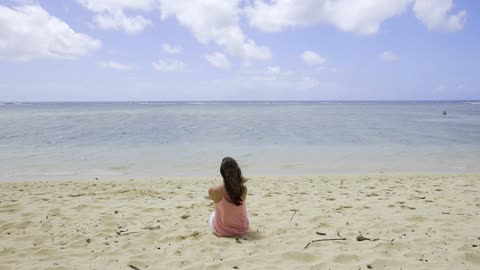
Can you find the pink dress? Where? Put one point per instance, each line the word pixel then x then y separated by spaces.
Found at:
pixel 230 219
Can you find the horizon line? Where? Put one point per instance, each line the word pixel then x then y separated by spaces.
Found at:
pixel 259 100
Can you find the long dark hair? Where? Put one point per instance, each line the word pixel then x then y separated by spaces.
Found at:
pixel 233 180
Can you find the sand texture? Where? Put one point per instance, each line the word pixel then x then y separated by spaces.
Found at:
pixel 404 222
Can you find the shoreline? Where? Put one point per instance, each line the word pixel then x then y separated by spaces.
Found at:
pixel 149 177
pixel 426 221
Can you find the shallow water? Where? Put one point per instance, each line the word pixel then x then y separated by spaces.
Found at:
pixel 74 140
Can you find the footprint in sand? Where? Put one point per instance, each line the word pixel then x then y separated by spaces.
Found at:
pixel 473 258
pixel 346 258
pixel 417 219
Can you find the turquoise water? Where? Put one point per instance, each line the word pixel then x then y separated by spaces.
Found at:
pixel 144 139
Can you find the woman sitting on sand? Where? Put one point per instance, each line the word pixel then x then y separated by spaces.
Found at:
pixel 230 216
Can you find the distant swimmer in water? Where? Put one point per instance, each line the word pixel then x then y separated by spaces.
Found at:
pixel 444 113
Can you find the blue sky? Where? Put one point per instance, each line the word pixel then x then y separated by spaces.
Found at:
pixel 118 50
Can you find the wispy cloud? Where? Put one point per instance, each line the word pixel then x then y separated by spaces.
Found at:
pixel 110 15
pixel 170 65
pixel 312 58
pixel 218 60
pixel 114 65
pixel 170 49
pixel 273 70
pixel 388 56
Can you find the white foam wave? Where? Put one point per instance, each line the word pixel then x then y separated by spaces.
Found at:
pixel 155 103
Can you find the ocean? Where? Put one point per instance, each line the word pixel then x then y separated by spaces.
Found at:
pixel 156 139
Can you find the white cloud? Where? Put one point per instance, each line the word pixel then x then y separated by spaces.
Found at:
pixel 118 21
pixel 435 15
pixel 312 58
pixel 362 17
pixel 388 56
pixel 334 70
pixel 109 5
pixel 167 48
pixel 168 65
pixel 41 35
pixel 114 65
pixel 307 83
pixel 110 13
pixel 217 21
pixel 218 60
pixel 440 88
pixel 24 2
pixel 273 70
pixel 270 73
pixel 273 78
pixel 443 87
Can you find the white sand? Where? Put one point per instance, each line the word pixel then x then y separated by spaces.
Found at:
pixel 420 221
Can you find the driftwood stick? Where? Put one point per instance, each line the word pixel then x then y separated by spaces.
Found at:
pixel 129 233
pixel 121 231
pixel 151 228
pixel 124 232
pixel 455 214
pixel 294 212
pixel 327 239
pixel 133 267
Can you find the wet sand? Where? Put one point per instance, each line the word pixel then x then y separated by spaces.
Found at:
pixel 384 221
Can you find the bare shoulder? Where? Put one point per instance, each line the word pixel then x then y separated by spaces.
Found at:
pixel 215 193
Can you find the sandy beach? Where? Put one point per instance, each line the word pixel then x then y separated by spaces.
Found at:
pixel 383 221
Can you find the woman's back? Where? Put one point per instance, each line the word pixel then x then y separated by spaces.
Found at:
pixel 230 219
